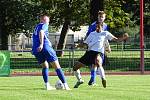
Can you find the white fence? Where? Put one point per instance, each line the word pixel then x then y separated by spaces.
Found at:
pixel 20 42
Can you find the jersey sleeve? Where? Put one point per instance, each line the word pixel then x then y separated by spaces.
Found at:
pixel 91 28
pixel 109 36
pixel 105 27
pixel 44 27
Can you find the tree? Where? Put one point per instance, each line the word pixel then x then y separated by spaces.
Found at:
pixel 95 6
pixel 19 16
pixel 66 24
pixel 69 13
pixel 116 16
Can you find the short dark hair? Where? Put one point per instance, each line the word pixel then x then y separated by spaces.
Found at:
pixel 43 15
pixel 101 13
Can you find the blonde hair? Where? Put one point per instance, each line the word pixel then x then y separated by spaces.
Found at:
pixel 98 27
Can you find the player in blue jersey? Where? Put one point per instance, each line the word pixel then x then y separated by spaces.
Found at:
pixel 45 54
pixel 101 19
pixel 92 27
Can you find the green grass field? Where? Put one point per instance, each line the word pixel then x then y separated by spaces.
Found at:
pixel 128 87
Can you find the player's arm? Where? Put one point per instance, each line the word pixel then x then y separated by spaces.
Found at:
pixel 41 37
pixel 122 38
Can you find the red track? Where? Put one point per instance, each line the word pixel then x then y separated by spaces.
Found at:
pixel 83 73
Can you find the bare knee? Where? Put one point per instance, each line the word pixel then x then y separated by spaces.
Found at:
pixel 77 66
pixel 55 64
pixel 44 64
pixel 99 61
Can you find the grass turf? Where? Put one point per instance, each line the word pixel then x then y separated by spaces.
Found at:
pixel 128 87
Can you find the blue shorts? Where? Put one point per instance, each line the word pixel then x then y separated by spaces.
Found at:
pixel 48 55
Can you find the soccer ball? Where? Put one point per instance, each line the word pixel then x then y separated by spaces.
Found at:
pixel 59 85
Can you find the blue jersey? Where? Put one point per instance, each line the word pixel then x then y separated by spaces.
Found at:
pixel 36 39
pixel 92 28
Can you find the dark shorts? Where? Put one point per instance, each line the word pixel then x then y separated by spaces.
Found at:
pixel 46 55
pixel 89 58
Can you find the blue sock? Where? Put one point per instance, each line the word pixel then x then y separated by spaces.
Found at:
pixel 93 75
pixel 45 74
pixel 61 75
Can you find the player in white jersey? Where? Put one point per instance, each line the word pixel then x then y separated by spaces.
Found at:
pixel 92 27
pixel 94 55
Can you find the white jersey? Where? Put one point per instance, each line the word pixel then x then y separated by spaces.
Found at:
pixel 96 40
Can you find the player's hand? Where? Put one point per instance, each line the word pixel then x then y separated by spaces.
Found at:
pixel 125 36
pixel 39 49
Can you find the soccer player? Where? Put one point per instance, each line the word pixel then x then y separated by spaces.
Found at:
pixel 45 54
pixel 92 27
pixel 101 19
pixel 101 72
pixel 94 55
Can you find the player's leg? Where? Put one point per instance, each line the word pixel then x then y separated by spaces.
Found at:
pixel 77 73
pixel 100 70
pixel 84 60
pixel 45 69
pixel 102 75
pixel 94 59
pixel 45 74
pixel 55 64
pixel 51 57
pixel 93 75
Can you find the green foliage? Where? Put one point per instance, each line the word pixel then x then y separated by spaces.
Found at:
pixel 116 17
pixel 124 16
pixel 18 16
pixel 22 14
pixel 76 11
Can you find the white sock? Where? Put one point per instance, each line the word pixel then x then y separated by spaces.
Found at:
pixel 101 72
pixel 95 68
pixel 78 75
pixel 47 83
pixel 65 85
